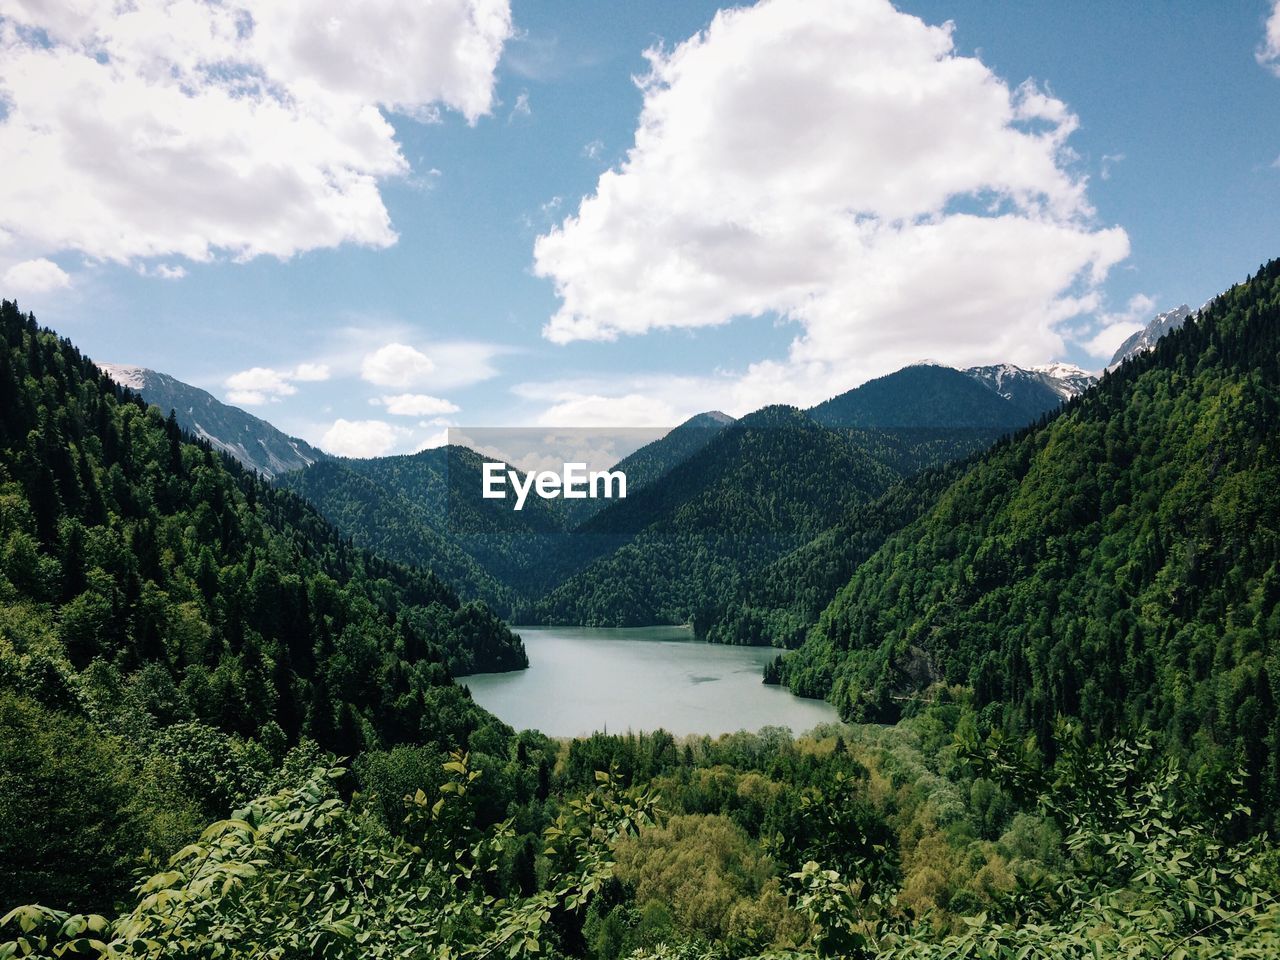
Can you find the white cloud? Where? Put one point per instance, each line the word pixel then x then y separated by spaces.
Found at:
pixel 164 271
pixel 593 150
pixel 1268 53
pixel 396 365
pixel 311 372
pixel 1114 328
pixel 259 385
pixel 521 108
pixel 35 276
pixel 595 410
pixel 185 128
pixel 837 163
pixel 438 439
pixel 418 405
pixel 360 438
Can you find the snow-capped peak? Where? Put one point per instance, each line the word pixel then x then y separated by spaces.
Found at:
pixel 1061 370
pixel 135 378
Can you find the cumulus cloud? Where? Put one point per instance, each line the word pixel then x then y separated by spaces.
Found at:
pixel 438 439
pixel 596 410
pixel 259 385
pixel 837 163
pixel 418 405
pixel 360 438
pixel 311 372
pixel 1268 53
pixel 187 128
pixel 1114 328
pixel 396 365
pixel 35 276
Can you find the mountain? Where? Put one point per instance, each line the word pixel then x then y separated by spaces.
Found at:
pixel 654 459
pixel 389 523
pixel 1034 391
pixel 1119 564
pixel 1146 338
pixel 426 509
pixel 251 440
pixel 1068 379
pixel 170 621
pixel 780 603
pixel 762 486
pixel 924 395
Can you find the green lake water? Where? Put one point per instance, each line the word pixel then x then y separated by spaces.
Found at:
pixel 584 679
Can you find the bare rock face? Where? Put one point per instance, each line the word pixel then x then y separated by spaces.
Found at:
pixel 251 440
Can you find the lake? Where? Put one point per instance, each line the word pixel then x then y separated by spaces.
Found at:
pixel 584 679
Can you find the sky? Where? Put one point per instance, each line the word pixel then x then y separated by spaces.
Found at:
pixel 367 229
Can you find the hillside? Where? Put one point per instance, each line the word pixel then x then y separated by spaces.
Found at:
pixel 168 621
pixel 425 509
pixel 251 440
pixel 1120 564
pixel 1146 338
pixel 779 604
pixel 759 488
pixel 923 395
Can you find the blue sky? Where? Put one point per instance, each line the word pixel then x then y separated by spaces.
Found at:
pixel 1141 168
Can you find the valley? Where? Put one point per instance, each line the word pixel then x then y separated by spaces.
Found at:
pixel 938 594
pixel 581 680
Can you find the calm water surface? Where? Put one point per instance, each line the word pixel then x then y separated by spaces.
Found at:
pixel 584 679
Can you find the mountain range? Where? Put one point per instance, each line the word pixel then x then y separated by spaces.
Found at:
pixel 171 623
pixel 251 440
pixel 1146 338
pixel 754 524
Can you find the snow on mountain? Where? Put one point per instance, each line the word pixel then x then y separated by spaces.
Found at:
pixel 1146 338
pixel 251 440
pixel 1035 390
pixel 135 378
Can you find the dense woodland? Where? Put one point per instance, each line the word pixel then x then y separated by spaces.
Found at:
pixel 225 731
pixel 148 585
pixel 1120 564
pixel 709 506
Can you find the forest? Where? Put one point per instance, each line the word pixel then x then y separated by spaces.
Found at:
pixel 1119 564
pixel 710 505
pixel 227 731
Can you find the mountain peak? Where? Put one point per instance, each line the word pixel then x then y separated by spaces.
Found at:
pixel 1146 338
pixel 251 440
pixel 1061 370
pixel 135 378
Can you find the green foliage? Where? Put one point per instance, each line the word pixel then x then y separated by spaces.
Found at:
pixel 762 486
pixel 1120 564
pixel 176 623
pixel 77 807
pixel 300 873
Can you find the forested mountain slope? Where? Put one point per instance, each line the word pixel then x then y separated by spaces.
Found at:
pixel 763 486
pixel 251 440
pixel 780 603
pixel 147 581
pixel 921 396
pixel 654 459
pixel 425 509
pixel 1120 564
